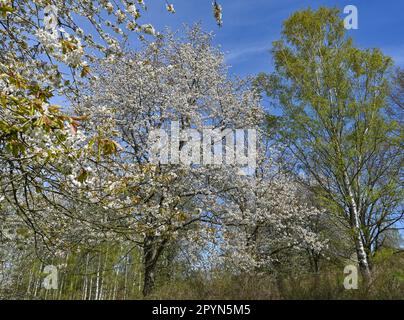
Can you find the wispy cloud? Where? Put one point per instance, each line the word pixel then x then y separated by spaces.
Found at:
pixel 247 51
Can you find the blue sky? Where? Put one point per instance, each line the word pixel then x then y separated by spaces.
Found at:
pixel 250 26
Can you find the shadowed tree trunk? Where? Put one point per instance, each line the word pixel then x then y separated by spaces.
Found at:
pixel 152 249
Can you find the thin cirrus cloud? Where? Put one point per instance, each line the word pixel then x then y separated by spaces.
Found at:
pixel 243 53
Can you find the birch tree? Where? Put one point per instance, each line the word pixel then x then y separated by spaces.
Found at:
pixel 333 99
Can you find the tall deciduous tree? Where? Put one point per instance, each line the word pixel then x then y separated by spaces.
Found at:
pixel 334 97
pixel 182 80
pixel 186 80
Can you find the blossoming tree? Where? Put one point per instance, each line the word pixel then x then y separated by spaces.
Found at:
pixel 183 80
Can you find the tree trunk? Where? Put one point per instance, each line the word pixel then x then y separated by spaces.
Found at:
pixel 359 246
pixel 149 279
pixel 356 225
pixel 85 285
pixel 362 257
pixel 151 252
pixel 97 282
pixel 125 284
pixel 115 284
pixel 149 266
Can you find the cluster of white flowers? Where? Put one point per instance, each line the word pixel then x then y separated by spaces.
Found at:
pixel 55 46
